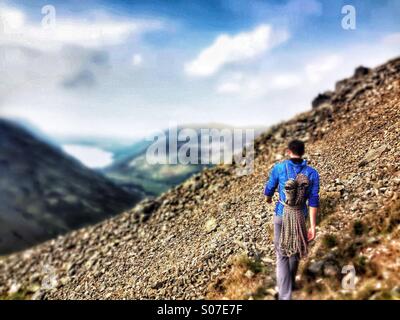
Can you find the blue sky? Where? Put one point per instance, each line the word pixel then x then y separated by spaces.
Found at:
pixel 126 69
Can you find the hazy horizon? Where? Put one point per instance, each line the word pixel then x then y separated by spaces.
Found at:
pixel 126 70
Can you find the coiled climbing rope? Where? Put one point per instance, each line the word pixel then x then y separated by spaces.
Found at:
pixel 293 237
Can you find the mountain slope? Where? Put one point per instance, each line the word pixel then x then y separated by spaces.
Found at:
pixel 211 236
pixel 43 192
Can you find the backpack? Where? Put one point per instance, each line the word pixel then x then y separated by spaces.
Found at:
pixel 293 237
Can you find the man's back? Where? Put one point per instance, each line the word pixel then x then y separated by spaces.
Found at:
pixel 288 169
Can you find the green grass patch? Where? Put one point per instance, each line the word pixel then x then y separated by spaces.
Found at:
pixel 254 265
pixel 329 241
pixel 19 295
pixel 358 228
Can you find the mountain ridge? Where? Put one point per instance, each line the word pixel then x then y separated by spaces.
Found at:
pixel 189 242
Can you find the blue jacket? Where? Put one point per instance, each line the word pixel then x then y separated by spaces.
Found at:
pixel 279 176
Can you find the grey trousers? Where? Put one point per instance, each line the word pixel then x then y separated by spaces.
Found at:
pixel 286 267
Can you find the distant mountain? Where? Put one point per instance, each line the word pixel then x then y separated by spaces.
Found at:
pixel 44 192
pixel 130 165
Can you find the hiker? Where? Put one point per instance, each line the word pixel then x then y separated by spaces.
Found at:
pixel 297 182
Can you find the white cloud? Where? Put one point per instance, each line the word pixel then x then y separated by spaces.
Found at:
pixel 11 19
pixel 229 87
pixel 254 86
pixel 122 103
pixel 286 81
pixel 316 70
pixel 137 59
pixel 95 34
pixel 229 49
pixel 74 75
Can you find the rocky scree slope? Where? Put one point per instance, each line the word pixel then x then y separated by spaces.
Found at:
pixel 184 243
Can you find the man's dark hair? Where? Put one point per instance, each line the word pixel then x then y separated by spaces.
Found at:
pixel 297 147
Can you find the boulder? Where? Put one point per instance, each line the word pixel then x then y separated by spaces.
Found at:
pixel 321 99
